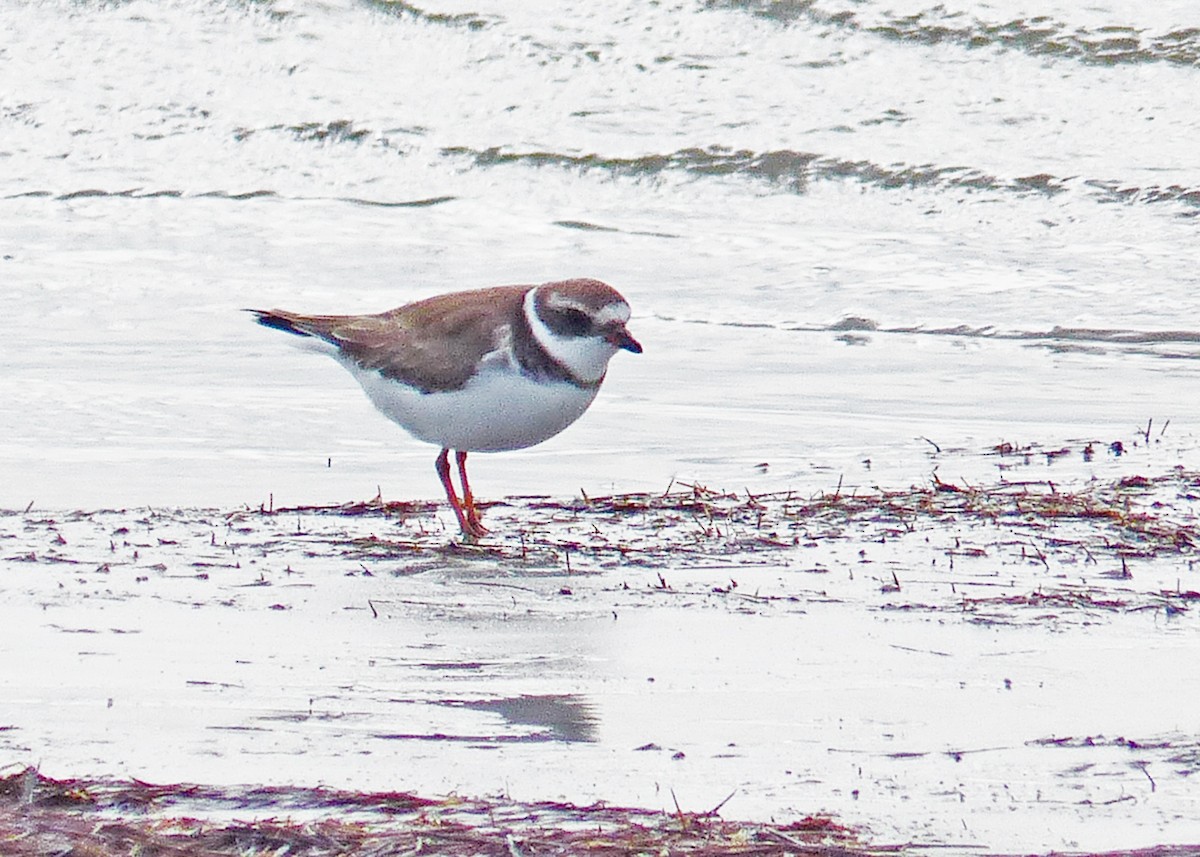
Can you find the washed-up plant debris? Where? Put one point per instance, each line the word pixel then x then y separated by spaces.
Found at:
pixel 106 818
pixel 1009 551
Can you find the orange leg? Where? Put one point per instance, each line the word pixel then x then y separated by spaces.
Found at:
pixel 468 498
pixel 468 518
pixel 477 527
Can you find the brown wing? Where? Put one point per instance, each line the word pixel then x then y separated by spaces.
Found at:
pixel 433 344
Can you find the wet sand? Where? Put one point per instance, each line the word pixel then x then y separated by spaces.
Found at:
pixel 999 667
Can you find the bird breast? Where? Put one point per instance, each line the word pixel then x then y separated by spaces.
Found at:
pixel 495 411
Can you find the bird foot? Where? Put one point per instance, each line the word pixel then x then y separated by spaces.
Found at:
pixel 472 528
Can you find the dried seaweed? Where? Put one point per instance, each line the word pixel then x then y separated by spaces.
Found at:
pixel 105 818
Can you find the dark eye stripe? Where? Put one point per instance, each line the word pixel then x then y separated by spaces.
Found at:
pixel 570 322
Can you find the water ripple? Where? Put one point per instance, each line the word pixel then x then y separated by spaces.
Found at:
pixel 401 9
pixel 1037 35
pixel 794 171
pixel 858 329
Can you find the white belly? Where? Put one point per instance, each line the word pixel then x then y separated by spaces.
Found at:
pixel 498 410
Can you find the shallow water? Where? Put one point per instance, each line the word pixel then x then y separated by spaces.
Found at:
pixel 864 244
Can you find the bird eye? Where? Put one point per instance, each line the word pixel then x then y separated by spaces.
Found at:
pixel 575 322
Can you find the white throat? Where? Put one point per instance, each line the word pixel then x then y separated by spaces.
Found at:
pixel 585 357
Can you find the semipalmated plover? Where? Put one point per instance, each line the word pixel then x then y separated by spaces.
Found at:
pixel 478 371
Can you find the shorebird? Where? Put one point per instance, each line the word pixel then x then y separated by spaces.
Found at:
pixel 486 370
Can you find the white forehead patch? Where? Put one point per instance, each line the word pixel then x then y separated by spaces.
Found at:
pixel 609 313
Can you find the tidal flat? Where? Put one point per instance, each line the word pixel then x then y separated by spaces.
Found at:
pixel 994 667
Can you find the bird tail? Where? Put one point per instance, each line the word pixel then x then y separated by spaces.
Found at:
pixel 280 320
